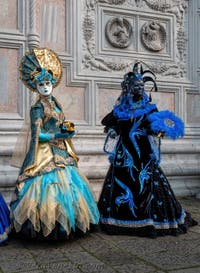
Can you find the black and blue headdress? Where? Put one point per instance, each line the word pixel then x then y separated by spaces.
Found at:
pixel 133 96
pixel 135 80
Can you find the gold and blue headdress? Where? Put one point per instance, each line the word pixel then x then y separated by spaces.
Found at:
pixel 40 64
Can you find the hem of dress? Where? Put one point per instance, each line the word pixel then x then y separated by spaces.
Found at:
pixel 28 232
pixel 145 222
pixel 4 236
pixel 148 230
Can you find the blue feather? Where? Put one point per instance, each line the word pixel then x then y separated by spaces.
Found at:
pixel 125 198
pixel 144 176
pixel 135 132
pixel 167 122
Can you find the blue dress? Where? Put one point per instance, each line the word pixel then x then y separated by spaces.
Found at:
pixel 137 198
pixel 52 198
pixel 4 220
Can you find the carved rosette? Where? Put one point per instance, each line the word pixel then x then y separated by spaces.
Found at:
pixel 153 36
pixel 118 32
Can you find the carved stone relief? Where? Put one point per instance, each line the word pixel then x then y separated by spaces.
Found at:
pixel 113 2
pixel 153 36
pixel 181 43
pixel 118 32
pixel 178 8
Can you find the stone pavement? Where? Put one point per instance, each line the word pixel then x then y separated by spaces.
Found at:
pixel 101 253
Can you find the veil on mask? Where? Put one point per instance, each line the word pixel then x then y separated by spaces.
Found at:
pixel 23 140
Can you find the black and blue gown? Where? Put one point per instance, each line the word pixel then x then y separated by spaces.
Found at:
pixel 136 197
pixel 4 221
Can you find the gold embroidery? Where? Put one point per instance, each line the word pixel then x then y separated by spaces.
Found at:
pixel 49 110
pixel 43 157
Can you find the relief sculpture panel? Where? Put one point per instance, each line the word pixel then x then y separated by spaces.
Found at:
pixel 116 32
pixel 153 36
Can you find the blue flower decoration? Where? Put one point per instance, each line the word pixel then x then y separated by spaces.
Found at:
pixel 167 122
pixel 43 75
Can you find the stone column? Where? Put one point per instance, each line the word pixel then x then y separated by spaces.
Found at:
pixel 33 36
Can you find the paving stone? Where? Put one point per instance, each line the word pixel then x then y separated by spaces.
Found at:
pixel 18 265
pixel 188 270
pixel 13 254
pixel 102 253
pixel 115 257
pixel 65 245
pixel 144 246
pixel 82 258
pixel 185 248
pixel 136 268
pixel 70 246
pixel 94 246
pixel 196 228
pixel 96 268
pixel 112 238
pixel 48 255
pixel 61 267
pixel 86 262
pixel 167 261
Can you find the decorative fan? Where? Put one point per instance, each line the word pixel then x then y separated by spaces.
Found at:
pixel 167 122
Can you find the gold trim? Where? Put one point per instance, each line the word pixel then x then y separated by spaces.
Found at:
pixel 70 149
pixel 48 59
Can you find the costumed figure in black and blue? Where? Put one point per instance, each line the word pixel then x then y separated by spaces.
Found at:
pixel 52 199
pixel 4 221
pixel 136 197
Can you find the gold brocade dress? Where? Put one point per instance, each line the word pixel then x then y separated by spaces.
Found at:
pixel 52 198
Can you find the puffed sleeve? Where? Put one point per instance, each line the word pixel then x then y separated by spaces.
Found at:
pixel 110 122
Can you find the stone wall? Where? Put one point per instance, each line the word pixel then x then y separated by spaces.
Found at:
pixel 98 41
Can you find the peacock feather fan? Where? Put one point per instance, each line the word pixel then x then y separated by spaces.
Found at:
pixel 167 122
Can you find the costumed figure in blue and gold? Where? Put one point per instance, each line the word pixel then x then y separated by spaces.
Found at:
pixel 136 198
pixel 4 221
pixel 52 199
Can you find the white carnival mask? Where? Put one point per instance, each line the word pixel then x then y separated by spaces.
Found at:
pixel 45 88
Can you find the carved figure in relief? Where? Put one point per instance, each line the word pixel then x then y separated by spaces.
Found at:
pixel 52 198
pixel 153 36
pixel 119 32
pixel 176 7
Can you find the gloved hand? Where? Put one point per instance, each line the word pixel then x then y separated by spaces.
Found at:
pixel 64 135
pixel 161 134
pixel 67 126
pixel 112 133
pixel 46 137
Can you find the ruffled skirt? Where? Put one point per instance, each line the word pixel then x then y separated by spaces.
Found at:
pixel 54 205
pixel 4 220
